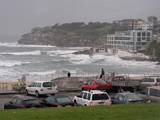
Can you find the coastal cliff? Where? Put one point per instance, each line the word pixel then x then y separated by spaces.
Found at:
pixel 68 34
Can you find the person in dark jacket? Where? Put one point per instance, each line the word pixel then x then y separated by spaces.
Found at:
pixel 102 73
pixel 69 74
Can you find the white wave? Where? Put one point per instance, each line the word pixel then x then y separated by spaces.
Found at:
pixel 77 48
pixel 108 60
pixel 7 44
pixel 38 46
pixel 37 52
pixel 43 73
pixel 72 71
pixel 115 60
pixel 7 63
pixel 15 44
pixel 83 59
pixel 61 52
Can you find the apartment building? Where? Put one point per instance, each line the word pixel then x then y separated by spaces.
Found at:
pixel 130 24
pixel 131 40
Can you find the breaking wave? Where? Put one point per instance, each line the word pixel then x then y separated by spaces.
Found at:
pixel 15 44
pixel 8 63
pixel 107 60
pixel 43 72
pixel 37 52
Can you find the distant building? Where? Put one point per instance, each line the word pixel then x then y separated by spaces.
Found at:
pixel 156 24
pixel 131 40
pixel 103 50
pixel 156 37
pixel 152 19
pixel 147 26
pixel 130 24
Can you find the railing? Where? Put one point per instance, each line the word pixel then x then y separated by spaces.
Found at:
pixel 8 86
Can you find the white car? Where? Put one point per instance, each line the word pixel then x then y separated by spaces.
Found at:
pixel 93 97
pixel 151 81
pixel 38 88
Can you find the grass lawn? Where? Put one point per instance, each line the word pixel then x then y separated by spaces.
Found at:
pixel 114 112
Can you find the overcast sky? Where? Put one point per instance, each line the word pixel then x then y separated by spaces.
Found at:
pixel 20 16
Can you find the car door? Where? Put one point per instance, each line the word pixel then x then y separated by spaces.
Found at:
pixel 30 88
pixel 85 99
pixel 93 85
pixel 79 98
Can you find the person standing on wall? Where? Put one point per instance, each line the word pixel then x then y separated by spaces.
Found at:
pixel 102 73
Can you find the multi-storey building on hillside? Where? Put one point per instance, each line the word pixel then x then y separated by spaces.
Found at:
pixel 131 40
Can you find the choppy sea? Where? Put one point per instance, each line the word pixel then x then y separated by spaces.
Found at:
pixel 42 61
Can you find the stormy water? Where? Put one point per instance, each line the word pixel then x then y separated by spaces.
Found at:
pixel 42 61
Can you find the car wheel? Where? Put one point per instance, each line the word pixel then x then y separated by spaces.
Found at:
pixel 37 94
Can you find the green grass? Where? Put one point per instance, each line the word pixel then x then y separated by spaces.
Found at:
pixel 114 112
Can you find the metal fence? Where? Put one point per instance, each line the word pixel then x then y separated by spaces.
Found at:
pixel 8 86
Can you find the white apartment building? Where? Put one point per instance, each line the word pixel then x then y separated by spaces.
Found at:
pixel 132 40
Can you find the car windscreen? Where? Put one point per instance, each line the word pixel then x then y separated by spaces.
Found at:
pixel 100 97
pixel 63 100
pixel 148 80
pixel 100 82
pixel 31 101
pixel 47 84
pixel 51 100
pixel 158 79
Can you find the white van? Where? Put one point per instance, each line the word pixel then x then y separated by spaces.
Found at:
pixel 38 88
pixel 91 98
pixel 150 81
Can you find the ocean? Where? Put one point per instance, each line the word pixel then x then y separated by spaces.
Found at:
pixel 39 62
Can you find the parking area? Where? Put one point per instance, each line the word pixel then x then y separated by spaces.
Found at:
pixel 6 98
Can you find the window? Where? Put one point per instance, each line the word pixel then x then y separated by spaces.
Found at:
pixel 138 34
pixel 18 101
pixel 143 33
pixel 143 38
pixel 47 84
pixel 154 92
pixel 138 39
pixel 14 100
pixel 100 82
pixel 100 97
pixel 63 100
pixel 148 38
pixel 148 80
pixel 85 96
pixel 148 33
pixel 31 101
pixel 51 100
pixel 158 79
pixel 89 96
pixel 121 98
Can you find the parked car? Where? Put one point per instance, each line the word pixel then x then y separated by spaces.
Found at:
pixel 38 88
pixel 91 98
pixel 150 81
pixel 96 85
pixel 126 97
pixel 58 100
pixel 23 102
